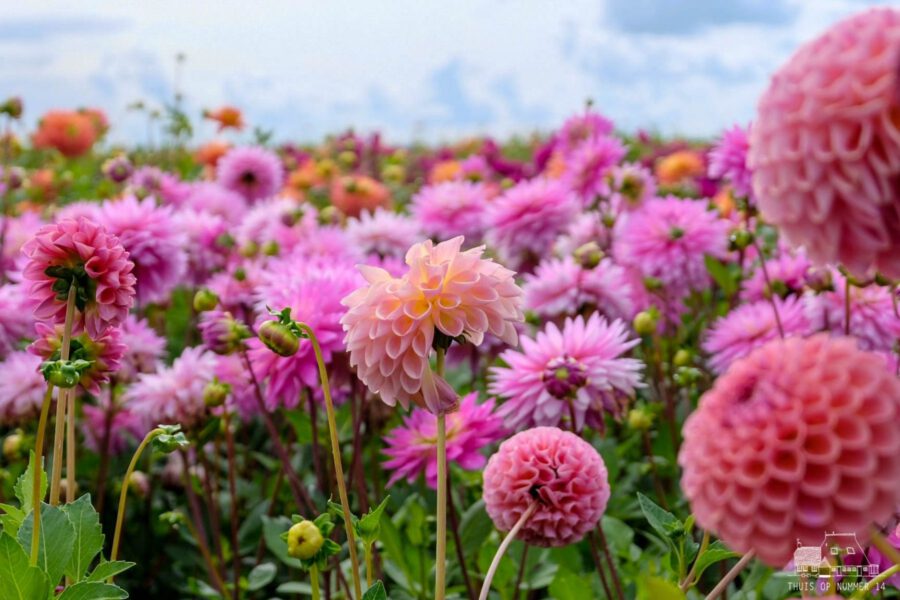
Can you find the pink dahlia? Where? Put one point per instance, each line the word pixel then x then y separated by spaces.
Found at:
pixel 556 469
pixel 391 323
pixel 728 160
pixel 578 372
pixel 631 185
pixel 144 348
pixel 209 197
pixel 104 352
pixel 173 394
pixel 22 388
pixel 800 438
pixel 383 232
pixel 825 146
pixel 118 427
pixel 787 272
pixel 207 244
pixel 19 230
pixel 582 128
pixel 413 445
pixel 668 239
pixel 279 220
pixel 230 369
pixel 88 255
pixel 526 219
pixel 589 166
pixel 153 241
pixel 15 321
pixel 151 181
pixel 750 326
pixel 253 172
pixel 586 228
pixel 453 208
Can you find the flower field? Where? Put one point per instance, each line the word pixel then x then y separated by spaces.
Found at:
pixel 587 364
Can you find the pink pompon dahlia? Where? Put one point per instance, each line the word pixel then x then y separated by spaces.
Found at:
pixel 668 239
pixel 383 232
pixel 556 469
pixel 153 241
pixel 253 172
pixel 825 146
pixel 22 388
pixel 413 445
pixel 391 323
pixel 452 208
pixel 144 348
pixel 728 160
pixel 800 438
pixel 104 352
pixel 15 320
pixel 582 128
pixel 750 326
pixel 578 372
pixel 86 254
pixel 589 166
pixel 526 219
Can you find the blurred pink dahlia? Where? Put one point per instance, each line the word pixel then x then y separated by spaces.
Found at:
pixel 118 427
pixel 15 320
pixel 825 146
pixel 383 232
pixel 559 471
pixel 800 438
pixel 253 172
pixel 86 253
pixel 787 272
pixel 728 160
pixel 230 369
pixel 144 348
pixel 19 230
pixel 589 166
pixel 632 184
pixel 413 445
pixel 22 388
pixel 451 209
pixel 582 128
pixel 207 244
pixel 210 197
pixel 578 372
pixel 166 187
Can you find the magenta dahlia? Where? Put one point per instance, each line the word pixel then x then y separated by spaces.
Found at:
pixel 588 167
pixel 451 209
pixel 580 129
pixel 22 388
pixel 253 172
pixel 728 160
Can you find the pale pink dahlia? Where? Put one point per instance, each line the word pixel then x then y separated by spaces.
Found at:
pixel 800 438
pixel 86 253
pixel 383 232
pixel 209 197
pixel 22 388
pixel 391 323
pixel 668 239
pixel 253 172
pixel 582 128
pixel 750 326
pixel 526 219
pixel 728 160
pixel 15 320
pixel 453 208
pixel 589 166
pixel 207 244
pixel 104 352
pixel 413 445
pixel 559 471
pixel 578 372
pixel 144 348
pixel 825 146
pixel 153 241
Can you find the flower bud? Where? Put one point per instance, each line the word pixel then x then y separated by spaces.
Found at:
pixel 271 248
pixel 13 177
pixel 250 249
pixel 304 540
pixel 205 300
pixel 589 255
pixel 12 444
pixel 682 358
pixel 393 173
pixel 645 323
pixel 686 376
pixel 279 338
pixel 640 419
pixel 12 107
pixel 347 158
pixel 740 239
pixel 215 393
pixel 118 168
pixel 139 484
pixel 221 332
pixel 63 373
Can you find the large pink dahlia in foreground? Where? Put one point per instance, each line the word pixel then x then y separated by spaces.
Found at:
pixel 825 146
pixel 559 471
pixel 253 172
pixel 578 372
pixel 800 438
pixel 413 445
pixel 84 253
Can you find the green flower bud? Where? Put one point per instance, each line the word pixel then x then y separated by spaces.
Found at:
pixel 205 300
pixel 64 373
pixel 347 158
pixel 279 338
pixel 740 239
pixel 644 323
pixel 271 248
pixel 304 540
pixel 685 376
pixel 589 255
pixel 682 358
pixel 640 419
pixel 250 249
pixel 12 444
pixel 215 393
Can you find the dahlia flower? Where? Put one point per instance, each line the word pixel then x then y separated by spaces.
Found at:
pixel 631 185
pixel 556 469
pixel 579 371
pixel 825 146
pixel 206 242
pixel 787 272
pixel 22 388
pixel 383 232
pixel 278 220
pixel 150 235
pixel 586 228
pixel 799 438
pixel 144 348
pixel 728 160
pixel 251 171
pixel 580 129
pixel 413 445
pixel 451 209
pixel 164 186
pixel 124 428
pixel 220 332
pixel 353 194
pixel 230 369
pixel 104 352
pixel 72 133
pixel 19 230
pixel 15 322
pixel 83 252
pixel 210 197
pixel 588 167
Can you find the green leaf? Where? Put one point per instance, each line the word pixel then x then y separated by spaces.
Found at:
pixel 261 576
pixel 721 275
pixel 55 542
pixel 88 536
pixel 369 525
pixel 654 588
pixel 11 519
pixel 716 552
pixel 108 569
pixel 664 522
pixel 475 528
pixel 24 487
pixel 569 586
pixel 272 530
pixel 376 592
pixel 18 580
pixel 93 590
pixel 295 587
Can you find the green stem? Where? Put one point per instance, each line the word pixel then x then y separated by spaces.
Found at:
pixel 730 576
pixel 39 473
pixel 336 452
pixel 62 399
pixel 688 581
pixel 876 581
pixel 370 570
pixel 314 581
pixel 440 558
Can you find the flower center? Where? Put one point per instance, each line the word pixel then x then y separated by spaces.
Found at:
pixel 563 377
pixel 248 178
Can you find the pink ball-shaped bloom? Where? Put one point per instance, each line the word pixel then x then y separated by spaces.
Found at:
pixel 825 146
pixel 668 239
pixel 253 172
pixel 526 219
pixel 580 370
pixel 728 160
pixel 452 208
pixel 153 241
pixel 800 438
pixel 15 320
pixel 383 233
pixel 144 348
pixel 580 129
pixel 209 197
pixel 750 326
pixel 413 445
pixel 97 261
pixel 556 469
pixel 391 323
pixel 588 168
pixel 22 388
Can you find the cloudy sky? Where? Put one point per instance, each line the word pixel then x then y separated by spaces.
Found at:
pixel 417 69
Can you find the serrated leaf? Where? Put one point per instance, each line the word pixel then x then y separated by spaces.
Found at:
pixel 56 541
pixel 11 519
pixel 93 590
pixel 19 580
pixel 716 552
pixel 661 520
pixel 88 536
pixel 24 488
pixel 376 592
pixel 108 569
pixel 261 576
pixel 369 525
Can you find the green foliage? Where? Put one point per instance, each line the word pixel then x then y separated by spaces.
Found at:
pixel 56 541
pixel 24 488
pixel 18 580
pixel 88 536
pixel 376 592
pixel 93 590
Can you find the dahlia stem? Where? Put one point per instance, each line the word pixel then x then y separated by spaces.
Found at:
pixel 875 582
pixel 771 292
pixel 595 556
pixel 457 542
pixel 440 559
pixel 70 447
pixel 62 398
pixel 38 474
pixel 613 572
pixel 336 452
pixel 885 547
pixel 486 586
pixel 847 306
pixel 123 495
pixel 314 581
pixel 232 489
pixel 730 576
pixel 688 580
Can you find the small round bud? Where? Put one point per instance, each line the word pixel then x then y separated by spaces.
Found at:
pixel 682 358
pixel 240 274
pixel 139 484
pixel 644 323
pixel 279 338
pixel 271 248
pixel 676 233
pixel 819 279
pixel 652 284
pixel 393 173
pixel 740 239
pixel 250 249
pixel 12 445
pixel 215 393
pixel 609 220
pixel 61 373
pixel 12 107
pixel 13 177
pixel 330 215
pixel 640 419
pixel 686 376
pixel 118 168
pixel 589 255
pixel 205 300
pixel 347 158
pixel 304 540
pixel 326 168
